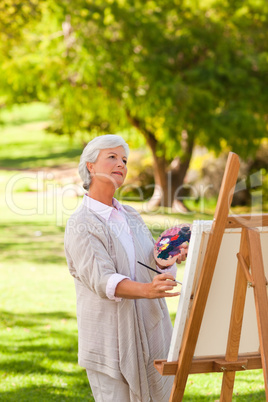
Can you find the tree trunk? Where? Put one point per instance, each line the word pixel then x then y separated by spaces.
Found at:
pixel 169 190
pixel 179 192
pixel 169 183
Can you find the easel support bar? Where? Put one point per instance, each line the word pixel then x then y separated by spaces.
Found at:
pixel 244 266
pixel 223 365
pixel 212 364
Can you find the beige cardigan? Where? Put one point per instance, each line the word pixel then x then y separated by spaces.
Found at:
pixel 121 339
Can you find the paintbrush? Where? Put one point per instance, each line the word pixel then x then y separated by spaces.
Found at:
pixel 152 269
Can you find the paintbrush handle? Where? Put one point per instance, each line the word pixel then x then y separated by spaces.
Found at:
pixel 157 272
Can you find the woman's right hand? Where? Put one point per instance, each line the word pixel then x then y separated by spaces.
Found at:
pixel 162 286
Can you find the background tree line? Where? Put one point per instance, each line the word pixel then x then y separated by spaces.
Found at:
pixel 177 73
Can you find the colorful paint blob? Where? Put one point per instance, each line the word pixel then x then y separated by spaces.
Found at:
pixel 168 245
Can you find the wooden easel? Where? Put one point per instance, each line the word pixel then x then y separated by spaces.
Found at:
pixel 250 272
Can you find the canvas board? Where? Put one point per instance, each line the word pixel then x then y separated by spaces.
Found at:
pixel 213 335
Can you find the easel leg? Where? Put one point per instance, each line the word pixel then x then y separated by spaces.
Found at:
pixel 236 321
pixel 261 300
pixel 193 327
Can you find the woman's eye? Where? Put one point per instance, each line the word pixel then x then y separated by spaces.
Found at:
pixel 125 161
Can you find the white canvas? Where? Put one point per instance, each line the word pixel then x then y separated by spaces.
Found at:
pixel 213 334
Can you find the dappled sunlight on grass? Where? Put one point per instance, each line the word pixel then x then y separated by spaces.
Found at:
pixel 25 143
pixel 36 243
pixel 248 386
pixel 38 337
pixel 38 329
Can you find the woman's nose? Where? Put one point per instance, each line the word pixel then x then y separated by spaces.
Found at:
pixel 120 163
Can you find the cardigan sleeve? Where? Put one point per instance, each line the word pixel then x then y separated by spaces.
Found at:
pixel 86 250
pixel 112 284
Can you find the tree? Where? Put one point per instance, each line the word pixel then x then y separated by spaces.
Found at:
pixel 183 73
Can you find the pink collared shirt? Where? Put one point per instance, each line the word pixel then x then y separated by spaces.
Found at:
pixel 116 220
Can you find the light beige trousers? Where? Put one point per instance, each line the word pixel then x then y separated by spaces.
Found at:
pixel 107 389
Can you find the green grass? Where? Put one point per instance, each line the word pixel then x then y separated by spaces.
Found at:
pixel 26 144
pixel 38 335
pixel 38 331
pixel 17 115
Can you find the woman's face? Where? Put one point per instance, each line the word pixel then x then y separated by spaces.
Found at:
pixel 110 167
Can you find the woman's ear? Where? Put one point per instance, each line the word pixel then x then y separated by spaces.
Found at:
pixel 89 167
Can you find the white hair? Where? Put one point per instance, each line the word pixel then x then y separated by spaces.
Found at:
pixel 92 150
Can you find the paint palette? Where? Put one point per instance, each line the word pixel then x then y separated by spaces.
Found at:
pixel 168 245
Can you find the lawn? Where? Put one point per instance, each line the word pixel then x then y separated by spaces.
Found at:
pixel 38 333
pixel 25 142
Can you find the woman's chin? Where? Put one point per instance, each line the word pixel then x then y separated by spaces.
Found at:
pixel 118 180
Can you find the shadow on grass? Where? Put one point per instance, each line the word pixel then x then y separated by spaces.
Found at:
pixel 34 242
pixel 256 396
pixel 47 335
pixel 26 227
pixel 82 393
pixel 45 393
pixel 29 161
pixel 39 358
pixel 41 364
pixel 9 319
pixel 198 398
pixel 45 253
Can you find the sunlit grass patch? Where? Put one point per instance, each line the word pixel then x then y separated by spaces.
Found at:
pixel 38 330
pixel 38 336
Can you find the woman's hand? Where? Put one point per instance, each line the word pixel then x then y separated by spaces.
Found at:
pixel 184 251
pixel 161 286
pixel 181 257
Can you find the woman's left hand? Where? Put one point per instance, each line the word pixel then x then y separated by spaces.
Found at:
pixel 184 251
pixel 181 257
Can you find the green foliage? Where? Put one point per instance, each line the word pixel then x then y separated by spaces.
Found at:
pixel 166 67
pixel 175 66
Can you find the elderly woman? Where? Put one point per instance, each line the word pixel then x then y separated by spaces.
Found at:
pixel 123 321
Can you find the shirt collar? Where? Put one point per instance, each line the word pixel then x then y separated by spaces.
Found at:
pixel 102 209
